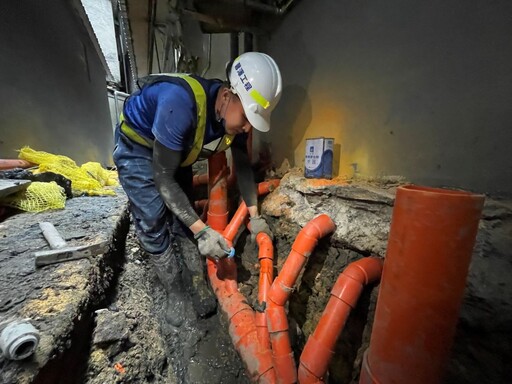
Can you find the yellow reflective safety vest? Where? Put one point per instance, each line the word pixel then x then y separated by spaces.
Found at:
pixel 201 107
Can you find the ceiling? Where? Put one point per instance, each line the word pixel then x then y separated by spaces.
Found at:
pixel 224 16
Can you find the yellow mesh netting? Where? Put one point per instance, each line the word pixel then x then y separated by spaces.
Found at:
pixel 91 178
pixel 38 197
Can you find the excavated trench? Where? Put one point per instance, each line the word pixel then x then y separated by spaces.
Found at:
pixel 71 363
pixel 119 333
pixel 125 338
pixel 134 336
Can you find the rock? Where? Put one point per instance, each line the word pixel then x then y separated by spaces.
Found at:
pixel 110 327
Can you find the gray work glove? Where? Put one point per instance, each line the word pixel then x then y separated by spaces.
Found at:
pixel 211 243
pixel 259 224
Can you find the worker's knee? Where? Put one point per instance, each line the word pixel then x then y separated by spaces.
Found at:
pixel 153 234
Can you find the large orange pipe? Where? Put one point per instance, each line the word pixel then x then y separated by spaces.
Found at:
pixel 280 291
pixel 266 258
pixel 319 349
pixel 430 244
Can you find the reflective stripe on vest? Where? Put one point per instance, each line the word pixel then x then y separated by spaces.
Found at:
pixel 132 134
pixel 200 97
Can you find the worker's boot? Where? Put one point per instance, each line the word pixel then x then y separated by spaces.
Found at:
pixel 203 298
pixel 168 270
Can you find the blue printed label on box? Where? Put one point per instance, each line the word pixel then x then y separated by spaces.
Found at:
pixel 319 157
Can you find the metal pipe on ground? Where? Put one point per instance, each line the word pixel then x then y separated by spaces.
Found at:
pixel 430 245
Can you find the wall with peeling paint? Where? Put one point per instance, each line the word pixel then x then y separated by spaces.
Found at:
pixel 419 89
pixel 53 95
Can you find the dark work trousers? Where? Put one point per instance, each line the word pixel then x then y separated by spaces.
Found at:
pixel 151 216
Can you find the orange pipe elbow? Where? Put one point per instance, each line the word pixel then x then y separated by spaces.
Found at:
pixel 301 250
pixel 280 291
pixel 319 349
pixel 430 245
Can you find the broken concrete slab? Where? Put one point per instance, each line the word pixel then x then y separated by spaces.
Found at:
pixel 57 298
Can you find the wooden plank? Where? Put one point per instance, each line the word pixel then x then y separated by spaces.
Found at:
pixel 11 186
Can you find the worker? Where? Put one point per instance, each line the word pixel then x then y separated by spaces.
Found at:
pixel 173 121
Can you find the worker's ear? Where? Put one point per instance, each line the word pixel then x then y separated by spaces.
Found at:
pixel 226 94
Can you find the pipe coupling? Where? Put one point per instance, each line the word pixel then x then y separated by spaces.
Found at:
pixel 19 340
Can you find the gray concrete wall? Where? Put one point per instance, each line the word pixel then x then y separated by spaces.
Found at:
pixel 53 94
pixel 421 89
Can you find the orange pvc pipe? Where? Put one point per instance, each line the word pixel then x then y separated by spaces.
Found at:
pixel 319 349
pixel 236 221
pixel 301 250
pixel 267 186
pixel 280 291
pixel 218 192
pixel 430 245
pixel 222 276
pixel 266 258
pixel 241 213
pixel 201 179
pixel 200 204
pixel 14 163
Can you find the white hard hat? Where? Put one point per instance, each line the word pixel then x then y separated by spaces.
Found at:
pixel 256 79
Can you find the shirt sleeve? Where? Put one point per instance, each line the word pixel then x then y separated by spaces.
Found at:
pixel 244 175
pixel 174 121
pixel 165 165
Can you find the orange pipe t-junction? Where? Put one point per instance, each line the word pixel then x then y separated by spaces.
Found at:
pixel 280 292
pixel 319 349
pixel 430 245
pixel 223 278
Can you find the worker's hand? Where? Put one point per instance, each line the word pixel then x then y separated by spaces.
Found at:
pixel 259 224
pixel 211 244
